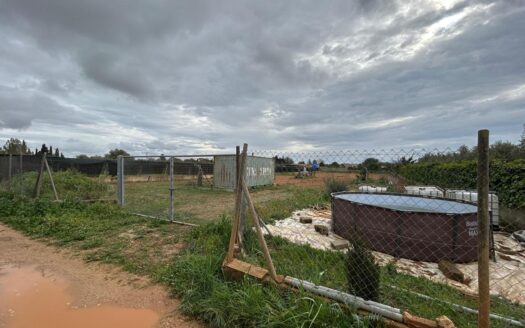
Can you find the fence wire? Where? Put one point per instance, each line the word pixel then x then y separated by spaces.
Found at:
pixel 168 188
pixel 394 226
pixel 395 231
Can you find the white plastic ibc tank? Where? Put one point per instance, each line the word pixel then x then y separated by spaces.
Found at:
pixel 424 191
pixel 372 189
pixel 472 196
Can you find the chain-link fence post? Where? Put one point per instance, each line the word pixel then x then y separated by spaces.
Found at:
pixel 483 227
pixel 120 180
pixel 20 172
pixel 171 190
pixel 10 174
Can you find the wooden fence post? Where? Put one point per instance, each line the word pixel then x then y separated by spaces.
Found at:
pixel 234 237
pixel 40 177
pixel 51 178
pixel 483 229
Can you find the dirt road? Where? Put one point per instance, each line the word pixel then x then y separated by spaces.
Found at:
pixel 87 287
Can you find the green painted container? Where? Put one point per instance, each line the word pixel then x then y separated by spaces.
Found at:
pixel 260 171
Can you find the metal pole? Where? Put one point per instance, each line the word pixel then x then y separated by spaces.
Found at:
pixel 120 180
pixel 10 176
pixel 20 172
pixel 484 229
pixel 171 190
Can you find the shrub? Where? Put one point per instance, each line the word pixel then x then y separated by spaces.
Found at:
pixel 335 185
pixel 507 179
pixel 362 272
pixel 70 184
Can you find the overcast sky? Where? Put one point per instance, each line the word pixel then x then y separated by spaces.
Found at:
pixel 164 76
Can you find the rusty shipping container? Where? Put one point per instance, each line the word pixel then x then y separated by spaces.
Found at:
pixel 260 171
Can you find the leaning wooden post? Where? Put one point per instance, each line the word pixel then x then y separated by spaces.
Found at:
pixel 234 236
pixel 39 178
pixel 51 178
pixel 258 230
pixel 483 229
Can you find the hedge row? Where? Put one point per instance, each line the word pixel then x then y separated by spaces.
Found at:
pixel 507 179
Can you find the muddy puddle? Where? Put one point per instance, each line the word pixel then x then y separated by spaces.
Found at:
pixel 30 297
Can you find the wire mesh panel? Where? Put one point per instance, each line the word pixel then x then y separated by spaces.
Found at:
pixel 396 227
pixel 169 188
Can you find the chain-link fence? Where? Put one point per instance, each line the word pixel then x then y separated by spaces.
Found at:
pixel 398 227
pixel 174 188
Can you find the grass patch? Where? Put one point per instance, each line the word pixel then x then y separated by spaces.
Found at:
pixel 189 261
pixel 70 184
pixel 196 277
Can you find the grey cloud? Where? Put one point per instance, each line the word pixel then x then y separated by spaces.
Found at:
pixel 161 75
pixel 19 110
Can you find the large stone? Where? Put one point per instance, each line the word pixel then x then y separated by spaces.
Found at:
pixel 305 219
pixel 322 229
pixel 451 271
pixel 340 244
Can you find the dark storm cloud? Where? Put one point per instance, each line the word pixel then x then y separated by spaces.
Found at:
pixel 165 76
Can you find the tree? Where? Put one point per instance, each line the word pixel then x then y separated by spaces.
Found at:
pixel 283 160
pixel 57 153
pixel 162 157
pixel 51 150
pixel 371 164
pixel 82 156
pixel 504 150
pixel 114 153
pixel 15 147
pixel 44 149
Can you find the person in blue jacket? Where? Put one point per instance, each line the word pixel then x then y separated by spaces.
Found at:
pixel 314 167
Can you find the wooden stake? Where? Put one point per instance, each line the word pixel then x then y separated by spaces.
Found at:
pixel 484 229
pixel 234 237
pixel 38 185
pixel 260 234
pixel 51 178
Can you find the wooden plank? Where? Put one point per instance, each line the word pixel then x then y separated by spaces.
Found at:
pixel 234 236
pixel 258 230
pixel 417 322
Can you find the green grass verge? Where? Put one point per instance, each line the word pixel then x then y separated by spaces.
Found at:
pixel 189 261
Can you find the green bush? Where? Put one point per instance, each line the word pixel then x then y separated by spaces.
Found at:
pixel 507 179
pixel 362 272
pixel 70 184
